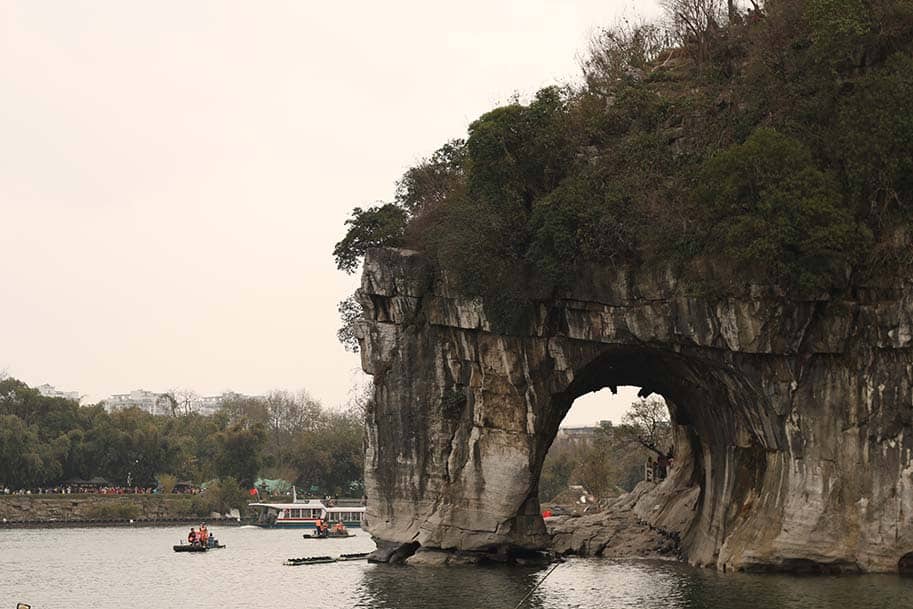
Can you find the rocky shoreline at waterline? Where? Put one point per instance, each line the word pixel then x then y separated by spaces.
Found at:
pixel 56 511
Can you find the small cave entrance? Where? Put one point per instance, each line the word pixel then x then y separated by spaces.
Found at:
pixel 905 565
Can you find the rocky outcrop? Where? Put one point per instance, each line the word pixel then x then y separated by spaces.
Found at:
pixel 793 417
pixel 614 532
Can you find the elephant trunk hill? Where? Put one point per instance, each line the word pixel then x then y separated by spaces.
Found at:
pixel 792 417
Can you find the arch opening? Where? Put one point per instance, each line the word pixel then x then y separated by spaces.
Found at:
pixel 607 443
pixel 717 438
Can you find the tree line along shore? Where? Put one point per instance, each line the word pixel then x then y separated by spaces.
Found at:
pixel 48 442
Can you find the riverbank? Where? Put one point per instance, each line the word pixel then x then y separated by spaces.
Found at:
pixel 27 511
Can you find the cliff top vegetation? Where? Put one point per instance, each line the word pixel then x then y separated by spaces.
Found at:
pixel 770 139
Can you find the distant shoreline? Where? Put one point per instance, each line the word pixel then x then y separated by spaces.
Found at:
pixel 139 523
pixel 91 510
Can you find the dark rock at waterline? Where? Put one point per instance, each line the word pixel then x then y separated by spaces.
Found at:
pixel 792 417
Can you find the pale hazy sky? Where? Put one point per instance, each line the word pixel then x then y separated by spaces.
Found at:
pixel 174 174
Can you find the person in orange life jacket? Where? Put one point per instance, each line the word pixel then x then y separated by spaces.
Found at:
pixel 192 538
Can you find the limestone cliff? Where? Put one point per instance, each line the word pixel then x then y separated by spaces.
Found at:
pixel 793 417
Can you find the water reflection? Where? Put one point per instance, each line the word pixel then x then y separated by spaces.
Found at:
pixel 598 584
pixel 394 587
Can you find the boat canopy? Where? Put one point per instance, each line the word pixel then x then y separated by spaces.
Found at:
pixel 310 504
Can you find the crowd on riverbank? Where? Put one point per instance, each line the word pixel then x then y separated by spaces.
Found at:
pixel 94 490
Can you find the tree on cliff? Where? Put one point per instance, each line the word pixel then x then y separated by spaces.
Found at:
pixel 771 139
pixel 381 225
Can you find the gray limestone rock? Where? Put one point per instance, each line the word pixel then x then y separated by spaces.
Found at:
pixel 794 418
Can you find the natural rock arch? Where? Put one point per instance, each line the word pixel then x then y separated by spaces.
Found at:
pixel 792 418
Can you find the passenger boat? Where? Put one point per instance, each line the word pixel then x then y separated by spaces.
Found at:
pixel 305 514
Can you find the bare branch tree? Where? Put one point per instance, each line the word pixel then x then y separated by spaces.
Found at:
pixel 696 22
pixel 181 401
pixel 621 51
pixel 648 424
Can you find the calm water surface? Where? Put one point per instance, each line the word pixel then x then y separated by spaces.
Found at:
pixel 136 569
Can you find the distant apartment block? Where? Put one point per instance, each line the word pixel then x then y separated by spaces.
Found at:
pixel 49 391
pixel 153 403
pixel 160 403
pixel 581 435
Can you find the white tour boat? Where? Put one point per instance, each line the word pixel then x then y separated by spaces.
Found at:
pixel 304 514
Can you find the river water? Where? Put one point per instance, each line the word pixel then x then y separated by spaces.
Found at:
pixel 136 569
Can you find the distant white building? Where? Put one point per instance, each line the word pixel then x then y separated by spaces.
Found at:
pixel 210 404
pixel 49 391
pixel 207 404
pixel 160 403
pixel 582 435
pixel 151 402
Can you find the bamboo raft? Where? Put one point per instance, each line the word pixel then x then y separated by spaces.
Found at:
pixel 322 560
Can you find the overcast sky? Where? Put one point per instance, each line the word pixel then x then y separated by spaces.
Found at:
pixel 174 174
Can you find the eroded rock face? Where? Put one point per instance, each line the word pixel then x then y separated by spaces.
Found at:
pixel 793 418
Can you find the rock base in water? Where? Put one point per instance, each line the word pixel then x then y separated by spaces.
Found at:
pixel 415 556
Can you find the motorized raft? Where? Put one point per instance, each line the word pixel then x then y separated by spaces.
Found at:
pixel 212 544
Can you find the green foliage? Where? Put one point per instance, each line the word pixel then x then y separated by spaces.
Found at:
pixel 310 445
pixel 378 226
pixel 612 459
pixel 220 496
pixel 238 451
pixel 518 153
pixel 20 452
pixel 579 220
pixel 556 471
pixel 434 180
pixel 350 311
pixel 48 441
pixel 167 482
pixel 774 141
pixel 772 210
pixel 874 134
pixel 833 19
